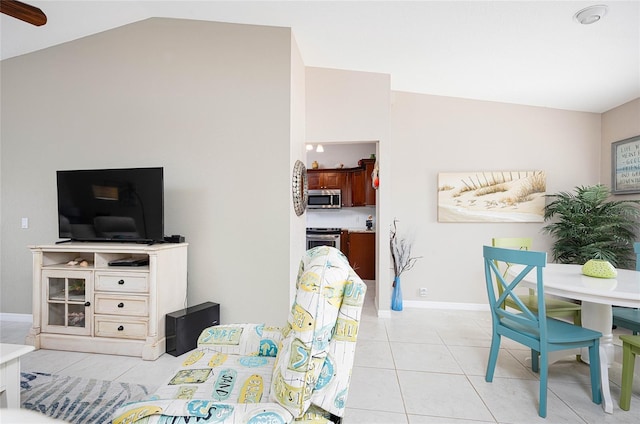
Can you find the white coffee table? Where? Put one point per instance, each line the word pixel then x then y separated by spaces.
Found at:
pixel 10 373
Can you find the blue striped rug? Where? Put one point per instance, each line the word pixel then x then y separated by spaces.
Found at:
pixel 74 399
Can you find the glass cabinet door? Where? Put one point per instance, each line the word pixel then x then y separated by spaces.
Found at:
pixel 67 302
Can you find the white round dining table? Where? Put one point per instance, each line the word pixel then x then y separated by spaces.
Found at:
pixel 597 295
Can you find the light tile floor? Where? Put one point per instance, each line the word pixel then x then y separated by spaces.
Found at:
pixel 419 366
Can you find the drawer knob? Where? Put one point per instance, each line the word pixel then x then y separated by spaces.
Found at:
pixel 121 328
pixel 120 305
pixel 121 282
pixel 87 303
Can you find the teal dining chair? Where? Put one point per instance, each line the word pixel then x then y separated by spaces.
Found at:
pixel 630 348
pixel 542 334
pixel 629 317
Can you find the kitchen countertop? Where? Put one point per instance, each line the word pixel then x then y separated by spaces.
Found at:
pixel 360 230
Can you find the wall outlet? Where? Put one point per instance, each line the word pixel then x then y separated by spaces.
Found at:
pixel 24 223
pixel 423 291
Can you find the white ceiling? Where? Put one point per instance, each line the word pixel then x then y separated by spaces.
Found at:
pixel 524 52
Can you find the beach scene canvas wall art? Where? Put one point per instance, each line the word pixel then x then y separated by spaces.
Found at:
pixel 491 196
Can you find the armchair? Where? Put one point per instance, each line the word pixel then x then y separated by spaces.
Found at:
pixel 251 373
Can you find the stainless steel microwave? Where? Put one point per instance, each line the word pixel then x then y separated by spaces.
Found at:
pixel 324 199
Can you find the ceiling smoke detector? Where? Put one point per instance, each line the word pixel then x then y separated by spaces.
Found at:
pixel 591 14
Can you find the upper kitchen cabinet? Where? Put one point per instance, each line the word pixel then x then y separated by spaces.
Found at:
pixel 319 179
pixel 358 196
pixel 370 192
pixel 362 191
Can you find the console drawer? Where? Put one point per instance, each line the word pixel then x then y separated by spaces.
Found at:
pixel 132 328
pixel 122 305
pixel 122 282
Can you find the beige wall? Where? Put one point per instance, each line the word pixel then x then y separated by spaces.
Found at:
pixel 210 102
pixel 432 134
pixel 298 224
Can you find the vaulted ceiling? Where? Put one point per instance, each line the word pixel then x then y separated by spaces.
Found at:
pixel 524 52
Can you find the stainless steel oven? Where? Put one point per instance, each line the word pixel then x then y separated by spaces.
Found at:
pixel 323 237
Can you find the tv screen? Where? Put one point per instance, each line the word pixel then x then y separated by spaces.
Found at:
pixel 111 204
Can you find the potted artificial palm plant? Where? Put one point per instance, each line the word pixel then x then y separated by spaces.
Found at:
pixel 587 225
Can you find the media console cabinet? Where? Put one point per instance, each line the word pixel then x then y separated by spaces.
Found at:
pixel 81 303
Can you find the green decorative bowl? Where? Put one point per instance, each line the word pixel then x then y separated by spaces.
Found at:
pixel 599 268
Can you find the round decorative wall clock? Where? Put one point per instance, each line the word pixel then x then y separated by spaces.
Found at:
pixel 299 187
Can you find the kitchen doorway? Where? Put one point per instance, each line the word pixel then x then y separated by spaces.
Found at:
pixel 347 166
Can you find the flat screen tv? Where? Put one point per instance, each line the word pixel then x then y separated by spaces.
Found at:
pixel 124 205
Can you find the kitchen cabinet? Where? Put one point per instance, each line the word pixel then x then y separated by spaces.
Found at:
pixel 361 248
pixel 369 191
pixel 81 303
pixel 346 190
pixel 344 242
pixel 358 196
pixel 319 179
pixel 362 192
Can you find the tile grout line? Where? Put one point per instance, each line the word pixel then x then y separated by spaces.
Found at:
pixel 395 369
pixel 466 376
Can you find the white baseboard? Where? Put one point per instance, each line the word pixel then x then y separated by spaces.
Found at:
pixel 419 304
pixel 5 316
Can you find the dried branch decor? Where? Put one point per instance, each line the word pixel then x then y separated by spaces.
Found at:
pixel 401 252
pixel 402 261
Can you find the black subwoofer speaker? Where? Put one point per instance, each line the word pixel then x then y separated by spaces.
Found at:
pixel 183 327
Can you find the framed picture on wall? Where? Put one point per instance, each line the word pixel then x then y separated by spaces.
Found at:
pixel 625 166
pixel 491 196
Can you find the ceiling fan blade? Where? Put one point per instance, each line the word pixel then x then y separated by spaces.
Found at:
pixel 24 12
